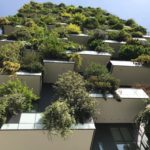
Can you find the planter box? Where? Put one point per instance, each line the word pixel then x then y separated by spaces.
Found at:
pixel 8 29
pixel 29 134
pixel 142 40
pixel 130 73
pixel 115 45
pixel 51 26
pixel 32 80
pixel 79 38
pixel 142 140
pixel 146 37
pixel 52 69
pixel 89 57
pixel 111 110
pixel 4 41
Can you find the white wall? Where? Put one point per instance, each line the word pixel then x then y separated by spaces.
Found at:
pixel 52 69
pixel 113 111
pixel 39 140
pixel 131 75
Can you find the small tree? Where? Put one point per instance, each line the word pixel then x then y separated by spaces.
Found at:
pixel 71 86
pixel 58 118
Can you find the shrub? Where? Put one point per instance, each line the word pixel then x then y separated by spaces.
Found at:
pixel 31 62
pixel 48 19
pixel 21 34
pixel 130 22
pixel 73 29
pixel 10 67
pixel 124 36
pixel 52 48
pixel 112 35
pixel 100 34
pixel 95 70
pixel 128 52
pixel 99 79
pixel 140 28
pixel 13 104
pixel 78 18
pixel 100 46
pixel 58 118
pixel 4 21
pixel 71 86
pixel 137 34
pixel 144 59
pixel 10 52
pixel 16 86
pixel 118 26
pixel 91 23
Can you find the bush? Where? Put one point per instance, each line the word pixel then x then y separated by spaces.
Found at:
pixel 144 59
pixel 31 62
pixel 12 87
pixel 140 28
pixel 58 118
pixel 10 67
pixel 99 79
pixel 118 26
pixel 11 52
pixel 137 34
pixel 100 46
pixel 71 86
pixel 52 48
pixel 128 52
pixel 130 22
pixel 95 70
pixel 21 34
pixel 4 21
pixel 124 36
pixel 78 18
pixel 112 35
pixel 100 34
pixel 73 29
pixel 91 23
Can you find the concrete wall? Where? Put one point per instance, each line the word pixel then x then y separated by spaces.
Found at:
pixel 39 140
pixel 79 38
pixel 90 58
pixel 115 45
pixel 8 29
pixel 31 80
pixel 113 111
pixel 52 69
pixel 131 75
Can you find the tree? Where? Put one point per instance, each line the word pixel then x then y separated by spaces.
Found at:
pixel 58 118
pixel 71 86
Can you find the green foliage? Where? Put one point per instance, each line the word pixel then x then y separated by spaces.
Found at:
pixel 58 118
pixel 78 18
pixel 21 34
pixel 99 80
pixel 128 52
pixel 73 29
pixel 4 21
pixel 73 47
pixel 11 52
pixel 91 23
pixel 10 67
pixel 130 22
pixel 118 26
pixel 16 86
pixel 48 19
pixel 100 46
pixel 77 59
pixel 71 86
pixel 137 34
pixel 52 48
pixel 124 36
pixel 144 59
pixel 95 70
pixel 31 62
pixel 140 28
pixel 100 34
pixel 144 117
pixel 113 35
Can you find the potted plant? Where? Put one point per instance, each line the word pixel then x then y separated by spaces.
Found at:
pixel 56 61
pixel 75 35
